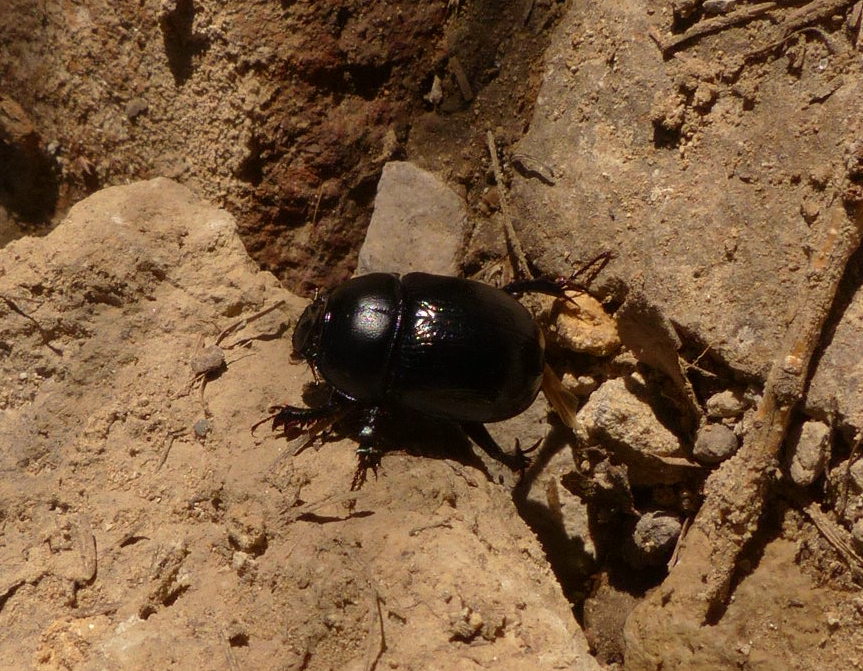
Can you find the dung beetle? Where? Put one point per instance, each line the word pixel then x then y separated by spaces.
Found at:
pixel 445 347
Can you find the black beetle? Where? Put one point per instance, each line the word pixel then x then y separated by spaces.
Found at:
pixel 448 348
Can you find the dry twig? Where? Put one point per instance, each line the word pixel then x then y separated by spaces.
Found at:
pixel 521 265
pixel 461 78
pixel 709 26
pixel 293 514
pixel 170 436
pixel 787 35
pixel 379 645
pixel 750 469
pixel 796 22
pixel 229 652
pixel 838 537
pixel 46 336
pixel 846 476
pixel 813 12
pixel 86 542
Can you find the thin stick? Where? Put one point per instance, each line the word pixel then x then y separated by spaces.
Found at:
pixel 846 476
pixel 169 441
pixel 379 646
pixel 204 405
pixel 715 25
pixel 317 204
pixel 521 265
pixel 229 653
pixel 46 336
pixel 785 385
pixel 672 561
pixel 760 51
pixel 87 550
pixel 795 22
pixel 461 78
pixel 838 537
pixel 815 11
pixel 296 513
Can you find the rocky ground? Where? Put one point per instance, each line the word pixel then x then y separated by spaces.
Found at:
pixel 697 499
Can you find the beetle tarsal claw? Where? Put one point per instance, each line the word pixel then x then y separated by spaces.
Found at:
pixel 531 449
pixel 368 458
pixel 265 420
pixel 522 457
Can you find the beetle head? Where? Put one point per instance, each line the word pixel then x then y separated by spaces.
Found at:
pixel 308 330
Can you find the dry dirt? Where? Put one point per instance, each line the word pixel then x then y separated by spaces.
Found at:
pixel 144 527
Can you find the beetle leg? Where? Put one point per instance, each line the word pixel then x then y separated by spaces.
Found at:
pixel 551 286
pixel 368 456
pixel 517 462
pixel 580 280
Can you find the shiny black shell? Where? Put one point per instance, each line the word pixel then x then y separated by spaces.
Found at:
pixel 443 346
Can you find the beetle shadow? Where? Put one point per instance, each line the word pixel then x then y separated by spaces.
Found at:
pixel 327 519
pixel 567 554
pixel 422 436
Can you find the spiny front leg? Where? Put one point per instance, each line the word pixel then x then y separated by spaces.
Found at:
pixel 579 281
pixel 368 455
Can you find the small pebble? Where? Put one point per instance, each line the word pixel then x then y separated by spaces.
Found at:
pixel 435 94
pixel 616 415
pixel 203 427
pixel 207 360
pixel 242 563
pixel 654 538
pixel 726 403
pixel 414 210
pixel 714 443
pixel 583 385
pixel 135 107
pixel 810 210
pixel 584 326
pixel 809 453
pixel 718 6
pixel 820 175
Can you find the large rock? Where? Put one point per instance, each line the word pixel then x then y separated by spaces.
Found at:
pixel 135 539
pixel 680 167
